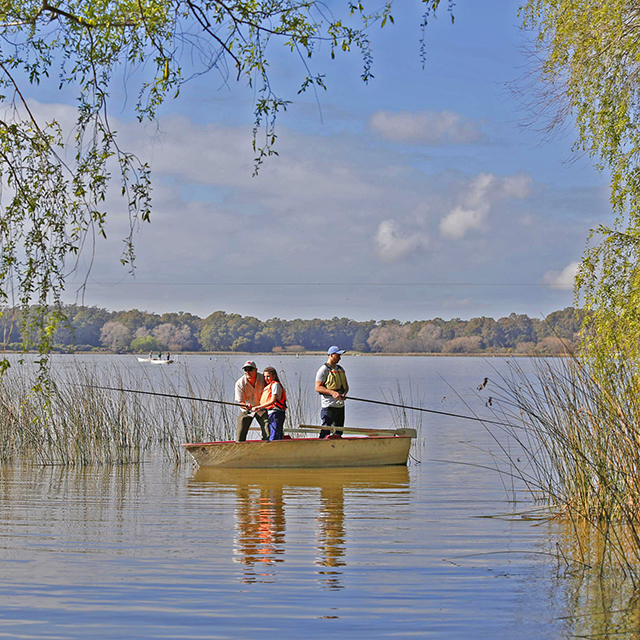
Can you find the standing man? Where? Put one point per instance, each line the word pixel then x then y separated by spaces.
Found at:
pixel 331 384
pixel 248 392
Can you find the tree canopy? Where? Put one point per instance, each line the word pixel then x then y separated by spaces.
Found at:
pixel 54 184
pixel 94 329
pixel 587 58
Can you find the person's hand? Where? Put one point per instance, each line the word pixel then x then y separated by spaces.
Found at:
pixel 336 395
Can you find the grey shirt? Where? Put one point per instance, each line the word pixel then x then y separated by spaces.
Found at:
pixel 327 401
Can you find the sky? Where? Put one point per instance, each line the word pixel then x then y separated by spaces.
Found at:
pixel 417 195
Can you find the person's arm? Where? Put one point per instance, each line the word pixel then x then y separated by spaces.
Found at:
pixel 320 388
pixel 240 395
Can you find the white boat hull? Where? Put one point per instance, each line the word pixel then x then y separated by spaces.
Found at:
pixel 303 453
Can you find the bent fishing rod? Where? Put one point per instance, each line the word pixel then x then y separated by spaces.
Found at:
pixel 163 395
pixel 235 404
pixel 441 413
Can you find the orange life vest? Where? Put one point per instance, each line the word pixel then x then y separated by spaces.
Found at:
pixel 267 398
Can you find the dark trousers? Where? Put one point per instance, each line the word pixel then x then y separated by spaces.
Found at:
pixel 276 425
pixel 244 422
pixel 331 417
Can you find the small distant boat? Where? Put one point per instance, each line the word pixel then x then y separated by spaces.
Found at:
pixel 154 360
pixel 370 448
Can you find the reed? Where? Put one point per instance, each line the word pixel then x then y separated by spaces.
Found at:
pixel 403 417
pixel 74 423
pixel 574 441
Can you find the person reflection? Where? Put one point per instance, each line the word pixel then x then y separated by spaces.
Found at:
pixel 331 536
pixel 260 531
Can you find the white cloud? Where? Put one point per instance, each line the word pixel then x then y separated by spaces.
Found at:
pixel 516 186
pixel 476 202
pixel 425 127
pixel 369 211
pixel 561 280
pixel 393 245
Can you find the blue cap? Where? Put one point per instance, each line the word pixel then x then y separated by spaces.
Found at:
pixel 334 349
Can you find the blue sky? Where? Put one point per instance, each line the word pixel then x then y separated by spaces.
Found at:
pixel 415 196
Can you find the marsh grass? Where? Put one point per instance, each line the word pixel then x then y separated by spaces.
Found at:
pixel 404 417
pixel 76 423
pixel 574 441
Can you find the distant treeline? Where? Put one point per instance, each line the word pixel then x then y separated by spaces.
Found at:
pixel 95 329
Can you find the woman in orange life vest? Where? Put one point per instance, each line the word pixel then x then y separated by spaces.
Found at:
pixel 274 399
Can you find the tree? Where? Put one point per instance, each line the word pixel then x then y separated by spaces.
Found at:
pixel 361 336
pixel 586 57
pixel 145 344
pixel 174 338
pixel 463 344
pixel 115 336
pixel 516 328
pixel 53 197
pixel 82 327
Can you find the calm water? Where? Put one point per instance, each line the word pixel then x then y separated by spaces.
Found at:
pixel 159 551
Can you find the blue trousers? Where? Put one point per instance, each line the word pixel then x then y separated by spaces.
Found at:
pixel 332 417
pixel 276 425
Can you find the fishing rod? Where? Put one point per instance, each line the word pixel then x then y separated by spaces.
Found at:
pixel 441 413
pixel 164 395
pixel 235 404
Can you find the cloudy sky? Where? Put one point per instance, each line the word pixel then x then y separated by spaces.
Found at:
pixel 418 195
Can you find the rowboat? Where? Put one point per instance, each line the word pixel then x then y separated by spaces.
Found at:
pixel 368 447
pixel 154 360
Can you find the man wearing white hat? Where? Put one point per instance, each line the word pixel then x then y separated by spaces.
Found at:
pixel 248 390
pixel 331 384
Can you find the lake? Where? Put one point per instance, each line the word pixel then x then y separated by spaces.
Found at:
pixel 442 548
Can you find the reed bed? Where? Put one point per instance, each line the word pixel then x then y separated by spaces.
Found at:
pixel 574 441
pixel 75 422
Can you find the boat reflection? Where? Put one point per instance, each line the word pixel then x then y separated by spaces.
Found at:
pixel 331 535
pixel 262 497
pixel 260 528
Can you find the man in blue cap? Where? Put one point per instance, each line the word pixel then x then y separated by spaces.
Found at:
pixel 331 384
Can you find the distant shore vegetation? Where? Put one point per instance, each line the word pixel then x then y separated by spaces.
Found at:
pixel 95 329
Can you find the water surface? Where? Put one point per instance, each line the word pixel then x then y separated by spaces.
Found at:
pixel 164 551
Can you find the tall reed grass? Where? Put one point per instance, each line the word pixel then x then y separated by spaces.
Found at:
pixel 574 441
pixel 75 423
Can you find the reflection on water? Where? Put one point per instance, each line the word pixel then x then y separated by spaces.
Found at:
pixel 159 551
pixel 596 604
pixel 331 543
pixel 155 552
pixel 260 527
pixel 261 504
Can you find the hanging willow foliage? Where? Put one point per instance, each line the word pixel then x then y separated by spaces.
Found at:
pixel 588 61
pixel 54 186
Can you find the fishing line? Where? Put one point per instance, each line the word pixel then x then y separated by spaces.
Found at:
pixel 442 413
pixel 235 404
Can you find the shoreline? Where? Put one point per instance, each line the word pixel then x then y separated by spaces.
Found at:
pixel 315 354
